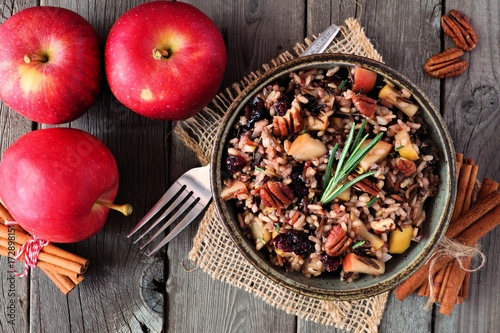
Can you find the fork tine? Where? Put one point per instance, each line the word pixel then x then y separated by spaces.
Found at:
pixel 174 189
pixel 174 205
pixel 195 211
pixel 188 203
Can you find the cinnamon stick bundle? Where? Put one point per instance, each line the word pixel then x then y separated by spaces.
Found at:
pixel 64 268
pixel 470 222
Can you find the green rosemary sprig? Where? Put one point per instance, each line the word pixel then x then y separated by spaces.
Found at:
pixel 341 84
pixel 346 164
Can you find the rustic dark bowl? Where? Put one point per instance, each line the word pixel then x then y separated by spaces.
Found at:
pixel 399 267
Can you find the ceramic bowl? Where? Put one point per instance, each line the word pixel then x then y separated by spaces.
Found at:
pixel 400 266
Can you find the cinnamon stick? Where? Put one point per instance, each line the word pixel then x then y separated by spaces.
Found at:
pixel 463 182
pixel 470 190
pixel 488 186
pixel 64 283
pixel 464 291
pixel 437 283
pixel 56 256
pixel 52 276
pixel 446 278
pixel 452 289
pixel 51 259
pixel 43 264
pixel 475 228
pixel 422 289
pixel 481 208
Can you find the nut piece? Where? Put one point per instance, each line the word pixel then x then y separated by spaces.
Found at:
pixel 276 195
pixel 288 124
pixel 337 242
pixel 365 185
pixel 365 105
pixel 458 27
pixel 446 64
pixel 406 167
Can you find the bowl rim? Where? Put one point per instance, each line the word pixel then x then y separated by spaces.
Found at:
pixel 280 277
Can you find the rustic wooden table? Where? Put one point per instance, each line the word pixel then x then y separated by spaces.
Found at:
pixel 126 291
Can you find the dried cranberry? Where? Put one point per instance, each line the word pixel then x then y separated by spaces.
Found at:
pixel 294 241
pixel 255 110
pixel 298 185
pixel 235 163
pixel 330 263
pixel 281 107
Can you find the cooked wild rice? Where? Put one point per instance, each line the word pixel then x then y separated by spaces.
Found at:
pixel 279 194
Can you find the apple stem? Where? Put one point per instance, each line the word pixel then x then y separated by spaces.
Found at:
pixel 159 54
pixel 35 57
pixel 125 209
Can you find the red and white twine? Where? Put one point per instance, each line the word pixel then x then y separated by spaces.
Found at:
pixel 31 249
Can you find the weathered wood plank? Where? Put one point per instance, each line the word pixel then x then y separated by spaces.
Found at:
pixel 14 291
pixel 472 112
pixel 249 29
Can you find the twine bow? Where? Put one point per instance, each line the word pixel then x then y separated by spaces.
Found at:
pixel 31 249
pixel 450 247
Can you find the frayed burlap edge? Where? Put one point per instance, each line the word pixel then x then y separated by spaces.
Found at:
pixel 213 250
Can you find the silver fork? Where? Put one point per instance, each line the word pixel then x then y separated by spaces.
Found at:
pixel 189 194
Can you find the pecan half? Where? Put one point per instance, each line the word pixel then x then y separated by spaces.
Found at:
pixel 365 185
pixel 365 105
pixel 458 27
pixel 276 195
pixel 446 64
pixel 406 167
pixel 288 124
pixel 337 241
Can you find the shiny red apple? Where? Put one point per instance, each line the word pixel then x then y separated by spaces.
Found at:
pixel 49 64
pixel 57 182
pixel 364 80
pixel 165 60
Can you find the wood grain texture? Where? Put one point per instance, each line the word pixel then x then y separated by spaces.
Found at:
pixel 14 292
pixel 472 113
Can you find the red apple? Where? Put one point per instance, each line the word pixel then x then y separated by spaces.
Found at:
pixel 56 183
pixel 50 64
pixel 364 80
pixel 165 60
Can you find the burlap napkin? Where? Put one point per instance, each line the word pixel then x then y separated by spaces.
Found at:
pixel 213 250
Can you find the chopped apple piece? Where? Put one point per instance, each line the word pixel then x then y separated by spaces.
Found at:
pixel 345 195
pixel 399 241
pixel 232 189
pixel 358 264
pixel 377 153
pixel 260 233
pixel 250 146
pixel 393 97
pixel 316 123
pixel 364 80
pixel 305 148
pixel 387 91
pixel 402 138
pixel 360 229
pixel 408 152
